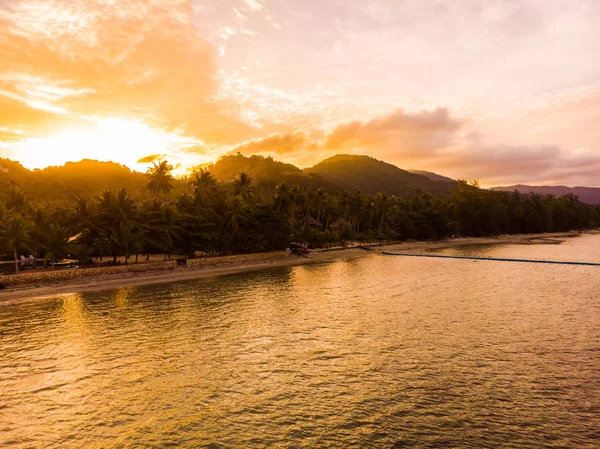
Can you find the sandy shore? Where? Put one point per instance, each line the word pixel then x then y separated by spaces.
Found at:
pixel 117 277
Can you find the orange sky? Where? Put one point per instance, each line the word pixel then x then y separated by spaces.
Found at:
pixel 503 91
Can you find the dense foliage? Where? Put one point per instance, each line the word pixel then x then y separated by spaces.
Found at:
pixel 206 215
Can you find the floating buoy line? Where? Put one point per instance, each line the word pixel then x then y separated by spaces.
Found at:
pixel 496 259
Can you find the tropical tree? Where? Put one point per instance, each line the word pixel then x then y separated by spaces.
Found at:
pixel 243 188
pixel 82 215
pixel 14 235
pixel 160 178
pixel 295 194
pixel 203 184
pixel 319 198
pixel 282 195
pixel 205 188
pixel 235 218
pixel 16 200
pixel 126 238
pixel 56 240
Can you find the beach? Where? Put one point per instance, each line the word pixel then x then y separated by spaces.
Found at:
pixel 28 286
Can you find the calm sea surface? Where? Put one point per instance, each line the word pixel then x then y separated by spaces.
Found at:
pixel 367 352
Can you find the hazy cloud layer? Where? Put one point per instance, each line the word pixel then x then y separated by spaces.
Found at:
pixel 277 143
pixel 399 133
pixel 111 58
pixel 437 141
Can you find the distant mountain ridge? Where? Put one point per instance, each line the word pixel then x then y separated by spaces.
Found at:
pixel 432 176
pixel 590 195
pixel 343 171
pixel 348 172
pixel 370 175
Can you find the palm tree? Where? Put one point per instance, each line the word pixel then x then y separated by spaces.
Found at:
pixel 38 223
pixel 116 211
pixel 205 188
pixel 203 183
pixel 242 187
pixel 15 199
pixel 236 215
pixel 282 195
pixel 14 234
pixel 294 195
pixel 319 197
pixel 82 215
pixel 124 207
pixel 126 237
pixel 160 178
pixel 56 240
pixel 169 226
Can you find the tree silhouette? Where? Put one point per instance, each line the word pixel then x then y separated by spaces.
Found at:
pixel 14 235
pixel 160 178
pixel 243 188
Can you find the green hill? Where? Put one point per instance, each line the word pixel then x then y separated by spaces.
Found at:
pixel 86 178
pixel 89 178
pixel 266 172
pixel 371 176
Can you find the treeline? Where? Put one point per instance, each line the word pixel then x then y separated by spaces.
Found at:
pixel 225 218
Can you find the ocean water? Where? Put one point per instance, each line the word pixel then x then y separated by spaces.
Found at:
pixel 364 352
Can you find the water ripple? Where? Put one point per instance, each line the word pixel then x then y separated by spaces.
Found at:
pixel 370 352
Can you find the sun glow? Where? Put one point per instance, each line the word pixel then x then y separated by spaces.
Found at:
pixel 106 139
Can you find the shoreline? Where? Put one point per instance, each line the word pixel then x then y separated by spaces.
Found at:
pixel 138 275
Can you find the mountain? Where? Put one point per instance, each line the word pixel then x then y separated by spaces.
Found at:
pixel 370 176
pixel 266 172
pixel 590 195
pixel 74 179
pixel 432 176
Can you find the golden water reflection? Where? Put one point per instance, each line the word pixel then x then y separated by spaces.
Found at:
pixel 363 352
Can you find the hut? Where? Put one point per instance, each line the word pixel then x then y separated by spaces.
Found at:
pixel 314 223
pixel 340 223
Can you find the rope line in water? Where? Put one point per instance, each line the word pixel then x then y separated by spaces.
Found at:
pixel 497 259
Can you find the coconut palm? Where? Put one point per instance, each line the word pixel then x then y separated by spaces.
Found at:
pixel 126 237
pixel 242 187
pixel 56 240
pixel 205 188
pixel 235 217
pixel 14 235
pixel 160 178
pixel 82 215
pixel 125 207
pixel 319 197
pixel 15 200
pixel 295 194
pixel 203 183
pixel 114 212
pixel 282 195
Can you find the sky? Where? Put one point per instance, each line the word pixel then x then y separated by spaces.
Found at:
pixel 502 91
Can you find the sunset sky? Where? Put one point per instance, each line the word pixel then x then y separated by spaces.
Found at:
pixel 503 91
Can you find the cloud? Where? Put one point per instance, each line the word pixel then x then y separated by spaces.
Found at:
pixel 138 59
pixel 396 135
pixel 491 164
pixel 409 135
pixel 276 143
pixel 255 5
pixel 151 158
pixel 436 141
